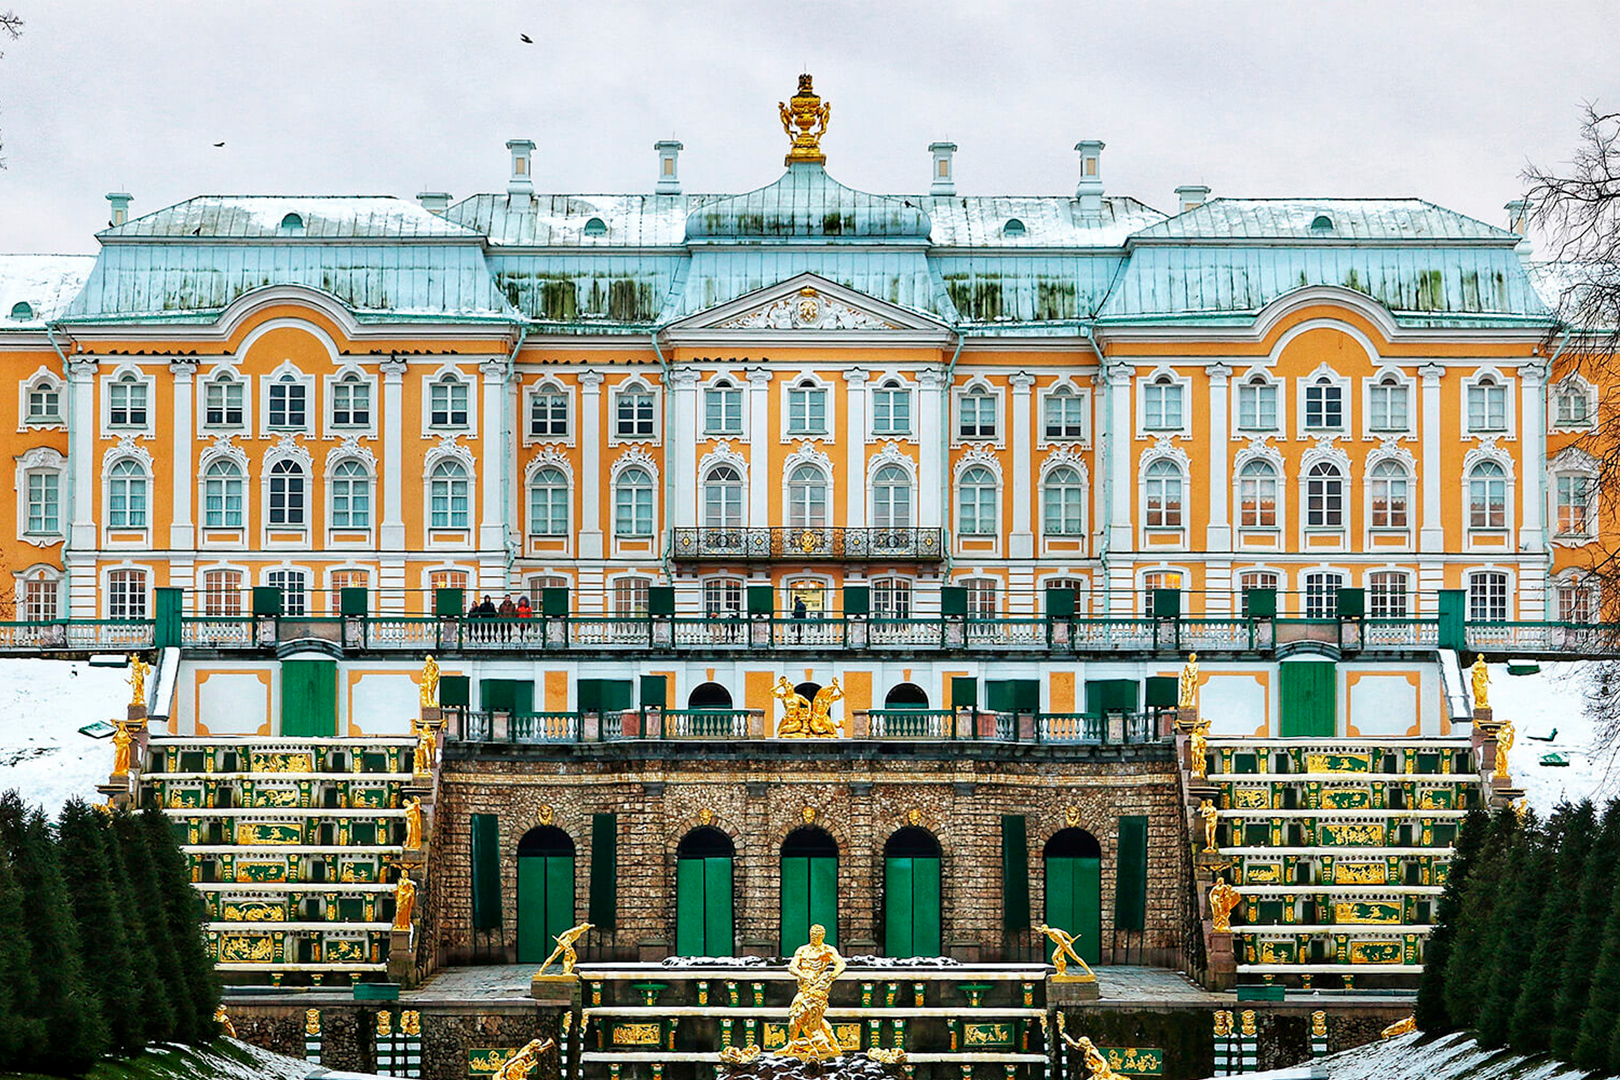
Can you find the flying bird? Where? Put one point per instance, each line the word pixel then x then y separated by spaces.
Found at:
pixel 219 144
pixel 526 39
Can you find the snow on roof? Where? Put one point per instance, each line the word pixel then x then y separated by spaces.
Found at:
pixel 262 217
pixel 1049 221
pixel 46 283
pixel 1347 219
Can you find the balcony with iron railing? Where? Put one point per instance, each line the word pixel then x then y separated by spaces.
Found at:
pixel 801 543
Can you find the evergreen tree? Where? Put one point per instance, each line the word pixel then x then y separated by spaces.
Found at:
pixel 184 911
pixel 1432 1016
pixel 1585 935
pixel 156 1013
pixel 103 938
pixel 1603 1002
pixel 22 1032
pixel 1518 910
pixel 161 974
pixel 1568 844
pixel 1468 966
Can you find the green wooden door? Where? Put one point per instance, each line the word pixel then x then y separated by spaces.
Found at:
pixel 703 906
pixel 1074 902
pixel 545 902
pixel 309 697
pixel 1309 699
pixel 809 896
pixel 911 907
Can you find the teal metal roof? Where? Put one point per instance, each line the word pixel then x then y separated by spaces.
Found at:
pixel 1377 220
pixel 601 287
pixel 560 221
pixel 902 278
pixel 806 204
pixel 265 217
pixel 46 284
pixel 1026 288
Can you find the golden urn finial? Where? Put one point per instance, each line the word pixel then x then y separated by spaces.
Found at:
pixel 804 111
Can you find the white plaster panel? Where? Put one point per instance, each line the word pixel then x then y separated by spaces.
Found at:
pixel 232 703
pixel 1383 704
pixel 383 703
pixel 1234 704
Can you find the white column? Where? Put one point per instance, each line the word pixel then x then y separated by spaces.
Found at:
pixel 1218 532
pixel 491 524
pixel 1533 436
pixel 759 448
pixel 933 497
pixel 1432 533
pixel 680 455
pixel 1120 458
pixel 79 556
pixel 855 434
pixel 181 533
pixel 591 492
pixel 1021 542
pixel 393 432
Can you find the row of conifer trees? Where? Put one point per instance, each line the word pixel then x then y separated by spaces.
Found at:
pixel 1526 950
pixel 101 939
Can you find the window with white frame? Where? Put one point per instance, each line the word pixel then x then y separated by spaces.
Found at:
pixel 351 402
pixel 1488 596
pixel 447 403
pixel 1577 601
pixel 630 596
pixel 981 598
pixel 45 402
pixel 633 504
pixel 448 496
pixel 44 504
pixel 1573 503
pixel 287 493
pixel 1161 405
pixel 1248 582
pixel 891 498
pixel 1257 495
pixel 126 594
pixel 1257 404
pixel 41 597
pixel 1154 581
pixel 222 593
pixel 723 498
pixel 1388 405
pixel 1324 496
pixel 351 496
pixel 1388 485
pixel 224 402
pixel 976 414
pixel 1388 595
pixel 289 403
pixel 548 502
pixel 807 410
pixel 1487 496
pixel 723 598
pixel 1065 414
pixel 1487 405
pixel 1162 495
pixel 1574 405
pixel 633 414
pixel 807 498
pixel 548 413
pixel 891 409
pixel 1324 405
pixel 976 502
pixel 448 579
pixel 538 586
pixel 891 598
pixel 722 409
pixel 346 579
pixel 222 495
pixel 1322 594
pixel 126 496
pixel 1064 496
pixel 126 403
pixel 294 586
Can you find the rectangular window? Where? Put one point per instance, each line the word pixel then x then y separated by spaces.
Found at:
pixel 1389 492
pixel 1324 406
pixel 222 593
pixel 351 404
pixel 1387 595
pixel 1322 595
pixel 1388 407
pixel 44 405
pixel 126 404
pixel 1152 582
pixel 807 410
pixel 1257 406
pixel 40 600
pixel 548 415
pixel 1574 504
pixel 891 411
pixel 345 579
pixel 538 587
pixel 294 592
pixel 1574 409
pixel 630 597
pixel 722 410
pixel 222 403
pixel 978 416
pixel 891 598
pixel 1577 604
pixel 723 598
pixel 447 403
pixel 981 598
pixel 1487 407
pixel 287 404
pixel 126 594
pixel 1248 583
pixel 1488 598
pixel 1065 416
pixel 44 507
pixel 633 414
pixel 1161 406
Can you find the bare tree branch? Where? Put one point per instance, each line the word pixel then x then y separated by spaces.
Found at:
pixel 11 25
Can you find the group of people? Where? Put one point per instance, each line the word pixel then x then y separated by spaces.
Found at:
pixel 508 609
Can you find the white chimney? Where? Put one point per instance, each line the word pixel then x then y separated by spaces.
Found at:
pixel 669 166
pixel 120 201
pixel 520 188
pixel 1518 215
pixel 1191 197
pixel 434 202
pixel 944 168
pixel 1089 190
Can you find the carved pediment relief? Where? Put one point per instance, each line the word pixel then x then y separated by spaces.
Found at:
pixel 807 309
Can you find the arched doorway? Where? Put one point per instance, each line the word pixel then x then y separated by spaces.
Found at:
pixel 809 886
pixel 911 898
pixel 905 696
pixel 709 695
pixel 1074 890
pixel 703 893
pixel 545 891
pixel 809 690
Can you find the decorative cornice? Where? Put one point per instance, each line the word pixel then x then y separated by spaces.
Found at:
pixel 128 446
pixel 548 456
pixel 807 454
pixel 449 448
pixel 637 457
pixel 1163 448
pixel 723 454
pixel 351 448
pixel 41 457
pixel 891 454
pixel 808 309
pixel 224 447
pixel 287 446
pixel 977 455
pixel 1390 449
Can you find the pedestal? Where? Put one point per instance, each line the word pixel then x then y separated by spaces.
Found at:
pixel 401 958
pixel 1222 961
pixel 1186 719
pixel 555 989
pixel 1062 990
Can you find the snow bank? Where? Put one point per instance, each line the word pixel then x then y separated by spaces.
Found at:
pixel 1539 705
pixel 43 703
pixel 1450 1057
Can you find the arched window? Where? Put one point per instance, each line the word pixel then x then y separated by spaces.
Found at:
pixel 976 496
pixel 807 498
pixel 1257 496
pixel 1252 581
pixel 1488 596
pixel 807 409
pixel 723 498
pixel 351 496
pixel 1387 594
pixel 709 695
pixel 1574 406
pixel 1065 498
pixel 891 498
pixel 633 503
pixel 978 414
pixel 1161 404
pixel 1013 228
pixel 1388 483
pixel 223 399
pixel 1163 495
pixel 222 496
pixel 126 403
pixel 905 696
pixel 448 496
pixel 548 502
pixel 45 402
pixel 891 409
pixel 1321 224
pixel 1257 404
pixel 1324 496
pixel 292 223
pixel 126 496
pixel 22 311
pixel 447 403
pixel 1487 405
pixel 351 402
pixel 809 887
pixel 222 593
pixel 1487 496
pixel 286 494
pixel 722 409
pixel 596 227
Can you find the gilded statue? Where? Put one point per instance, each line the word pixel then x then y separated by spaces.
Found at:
pixel 122 742
pixel 1198 748
pixel 1223 1023
pixel 805 111
pixel 427 745
pixel 1187 687
pixel 137 680
pixel 522 1063
pixel 1223 900
pixel 223 1019
pixel 430 683
pixel 739 1055
pixel 1096 1064
pixel 795 710
pixel 1504 743
pixel 1065 951
pixel 1399 1027
pixel 312 1021
pixel 895 1055
pixel 1246 1022
pixel 1319 1024
pixel 1212 817
pixel 1482 684
pixel 404 901
pixel 565 949
pixel 817 966
pixel 413 824
pixel 821 722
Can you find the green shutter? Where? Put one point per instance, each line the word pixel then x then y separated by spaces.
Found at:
pixel 1309 692
pixel 495 695
pixel 1059 896
pixel 448 602
pixel 998 695
pixel 455 690
pixel 170 606
pixel 486 872
pixel 1130 875
pixel 964 692
pixel 604 872
pixel 761 600
pixel 1162 691
pixel 718 933
pixel 661 600
pixel 655 691
pixel 309 698
pixel 266 600
pixel 689 907
pixel 925 902
pixel 953 600
pixel 618 695
pixel 554 601
pixel 857 600
pixel 533 945
pixel 1059 603
pixel 897 904
pixel 559 896
pixel 1453 619
pixel 1014 874
pixel 795 895
pixel 352 600
pixel 523 696
pixel 1074 902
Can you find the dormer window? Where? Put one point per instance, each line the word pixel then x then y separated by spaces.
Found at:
pixel 1321 224
pixel 596 227
pixel 1013 229
pixel 22 311
pixel 292 223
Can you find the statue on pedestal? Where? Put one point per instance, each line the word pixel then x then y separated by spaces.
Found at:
pixel 413 824
pixel 404 901
pixel 223 1019
pixel 795 710
pixel 122 742
pixel 1504 743
pixel 821 724
pixel 1211 816
pixel 1198 748
pixel 1187 685
pixel 1223 900
pixel 1482 684
pixel 427 745
pixel 817 966
pixel 430 683
pixel 137 681
pixel 1065 950
pixel 565 949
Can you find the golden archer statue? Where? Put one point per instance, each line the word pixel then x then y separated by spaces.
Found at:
pixel 821 723
pixel 795 710
pixel 1504 743
pixel 413 824
pixel 1187 687
pixel 817 966
pixel 122 742
pixel 1223 900
pixel 430 683
pixel 565 949
pixel 404 901
pixel 522 1063
pixel 1212 817
pixel 1482 684
pixel 137 680
pixel 1065 951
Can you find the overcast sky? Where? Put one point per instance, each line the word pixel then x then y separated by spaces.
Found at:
pixel 1446 102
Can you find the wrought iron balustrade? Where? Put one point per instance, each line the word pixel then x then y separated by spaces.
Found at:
pixel 766 543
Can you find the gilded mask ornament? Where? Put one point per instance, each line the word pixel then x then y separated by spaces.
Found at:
pixel 914 816
pixel 705 816
pixel 1071 816
pixel 546 814
pixel 809 813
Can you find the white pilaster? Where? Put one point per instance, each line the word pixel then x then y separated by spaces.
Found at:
pixel 681 454
pixel 855 435
pixel 759 448
pixel 181 533
pixel 79 555
pixel 1120 463
pixel 1431 533
pixel 1021 542
pixel 591 491
pixel 1532 432
pixel 491 518
pixel 1218 533
pixel 393 430
pixel 933 498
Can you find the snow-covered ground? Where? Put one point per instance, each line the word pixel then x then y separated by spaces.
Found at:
pixel 1540 705
pixel 1450 1057
pixel 43 704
